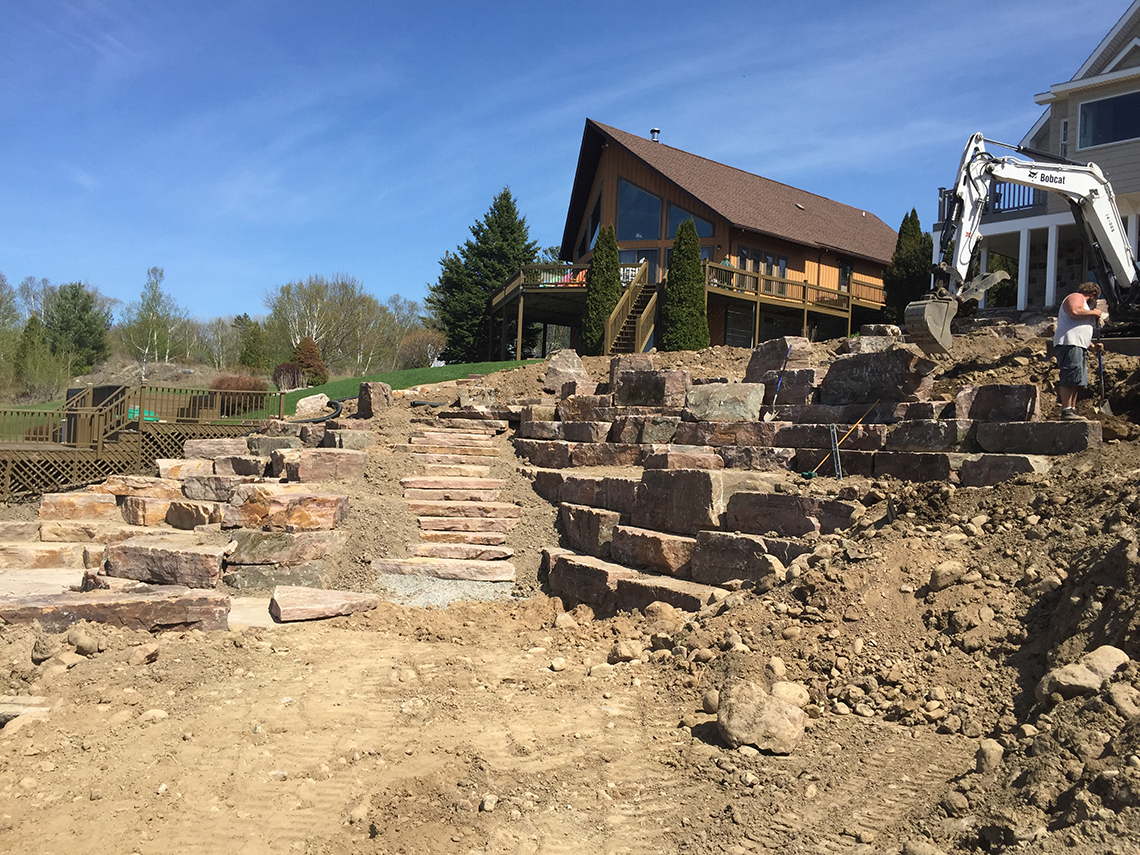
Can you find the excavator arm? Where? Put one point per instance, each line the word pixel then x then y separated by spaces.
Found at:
pixel 1094 208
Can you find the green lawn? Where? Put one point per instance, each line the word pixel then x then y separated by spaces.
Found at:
pixel 350 386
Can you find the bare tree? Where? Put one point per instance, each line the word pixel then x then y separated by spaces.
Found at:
pixel 151 328
pixel 220 341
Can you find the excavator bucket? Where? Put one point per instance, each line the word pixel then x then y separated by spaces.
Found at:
pixel 928 322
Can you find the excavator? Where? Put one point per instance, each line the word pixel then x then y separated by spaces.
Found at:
pixel 1094 208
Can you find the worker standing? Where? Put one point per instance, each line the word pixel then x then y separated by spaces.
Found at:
pixel 1073 340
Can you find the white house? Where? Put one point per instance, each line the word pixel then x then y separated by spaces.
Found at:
pixel 1092 117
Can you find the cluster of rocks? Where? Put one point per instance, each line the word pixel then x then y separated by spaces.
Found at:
pixel 878 399
pixel 147 547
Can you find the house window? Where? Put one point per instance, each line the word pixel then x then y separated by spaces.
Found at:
pixel 636 256
pixel 679 215
pixel 638 214
pixel 1109 120
pixel 590 234
pixel 706 254
pixel 1065 138
pixel 846 272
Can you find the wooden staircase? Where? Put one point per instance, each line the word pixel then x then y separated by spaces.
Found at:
pixel 626 341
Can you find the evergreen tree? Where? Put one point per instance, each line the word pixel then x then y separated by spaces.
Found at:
pixel 907 277
pixel 603 290
pixel 76 327
pixel 459 301
pixel 684 321
pixel 308 356
pixel 252 343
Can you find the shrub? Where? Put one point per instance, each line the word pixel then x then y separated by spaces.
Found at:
pixel 288 376
pixel 240 393
pixel 684 322
pixel 603 291
pixel 308 356
pixel 419 349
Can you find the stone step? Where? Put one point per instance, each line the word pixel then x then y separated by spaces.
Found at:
pixel 139 485
pixel 29 555
pixel 487 538
pixel 450 459
pixel 641 590
pixel 80 506
pixel 502 510
pixel 482 434
pixel 450 438
pixel 179 468
pixel 655 551
pixel 160 608
pixel 451 449
pixel 682 460
pixel 587 529
pixel 447 568
pixel 452 470
pixel 87 531
pixel 464 423
pixel 43 580
pixel 466 524
pixel 20 530
pixel 145 510
pixel 174 560
pixel 292 603
pixel 452 495
pixel 452 483
pixel 611 587
pixel 465 551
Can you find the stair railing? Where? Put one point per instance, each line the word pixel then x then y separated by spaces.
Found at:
pixel 625 306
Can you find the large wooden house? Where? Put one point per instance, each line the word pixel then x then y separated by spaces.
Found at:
pixel 777 259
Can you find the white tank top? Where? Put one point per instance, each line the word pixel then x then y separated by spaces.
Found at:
pixel 1072 330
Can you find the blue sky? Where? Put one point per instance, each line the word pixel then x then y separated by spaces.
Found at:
pixel 241 145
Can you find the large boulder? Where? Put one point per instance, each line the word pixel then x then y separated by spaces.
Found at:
pixel 563 366
pixel 725 402
pixel 748 715
pixel 789 353
pixel 864 378
pixel 651 388
pixel 373 399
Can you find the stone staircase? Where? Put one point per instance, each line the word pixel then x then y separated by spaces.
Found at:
pixel 462 524
pixel 149 552
pixel 713 509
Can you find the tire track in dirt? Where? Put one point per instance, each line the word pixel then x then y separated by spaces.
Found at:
pixel 894 778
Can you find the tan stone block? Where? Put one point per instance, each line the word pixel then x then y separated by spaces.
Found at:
pixel 652 550
pixel 139 485
pixel 447 568
pixel 305 512
pixel 78 506
pixel 187 514
pixel 292 603
pixel 177 469
pixel 165 561
pixel 142 510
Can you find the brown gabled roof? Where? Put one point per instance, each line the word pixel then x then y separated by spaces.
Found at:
pixel 747 201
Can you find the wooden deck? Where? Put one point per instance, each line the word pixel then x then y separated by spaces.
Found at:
pixel 105 431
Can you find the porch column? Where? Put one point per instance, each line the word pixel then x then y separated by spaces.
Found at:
pixel 1023 271
pixel 1051 268
pixel 503 334
pixel 756 323
pixel 983 269
pixel 519 333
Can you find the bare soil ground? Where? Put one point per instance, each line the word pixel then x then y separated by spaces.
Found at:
pixel 478 728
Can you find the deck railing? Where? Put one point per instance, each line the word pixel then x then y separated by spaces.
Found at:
pixel 781 289
pixel 1005 198
pixel 78 423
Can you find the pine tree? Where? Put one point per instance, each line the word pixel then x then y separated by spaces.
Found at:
pixel 252 335
pixel 460 299
pixel 684 320
pixel 603 290
pixel 308 356
pixel 76 328
pixel 907 277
